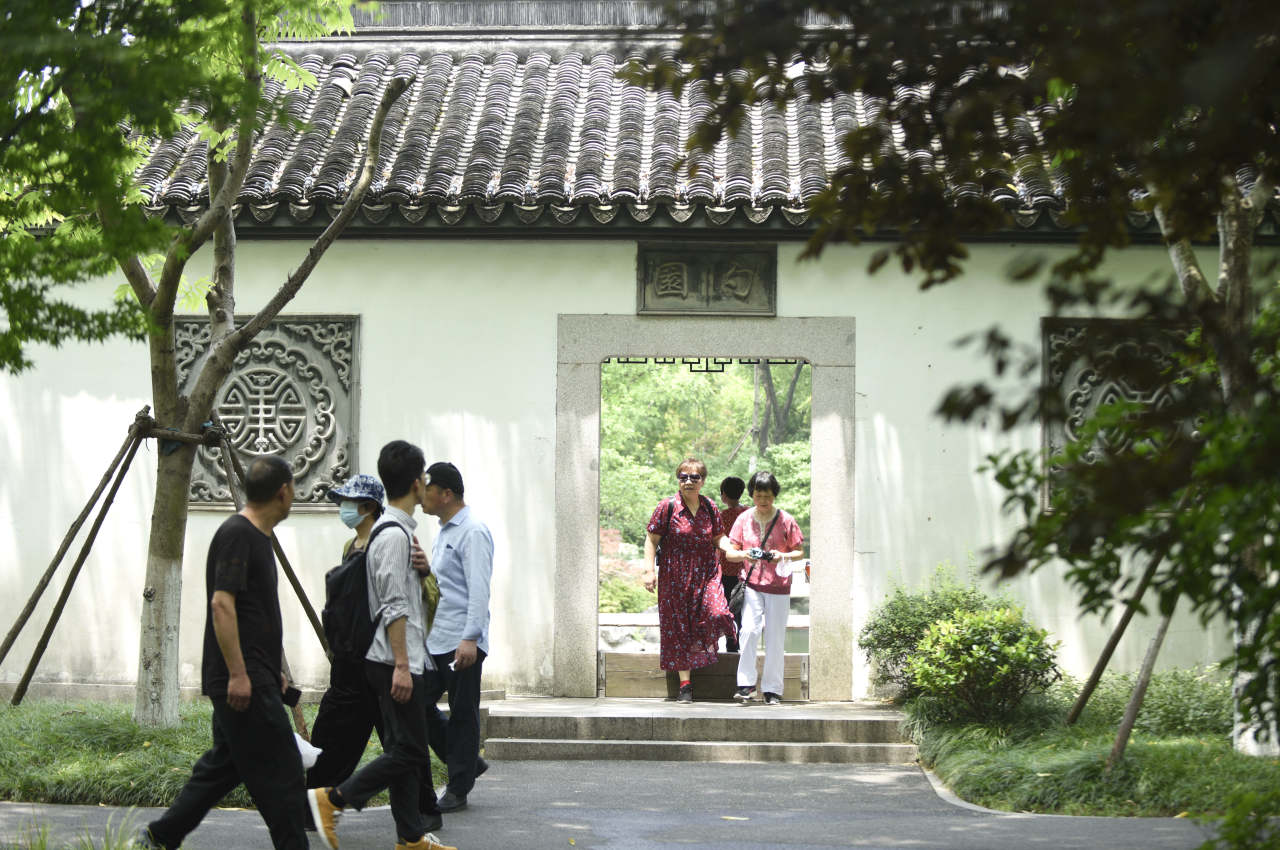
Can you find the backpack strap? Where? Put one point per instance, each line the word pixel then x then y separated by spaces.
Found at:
pixel 392 523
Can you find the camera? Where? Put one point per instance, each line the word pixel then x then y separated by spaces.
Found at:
pixel 760 554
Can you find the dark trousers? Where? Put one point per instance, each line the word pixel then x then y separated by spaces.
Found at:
pixel 349 712
pixel 404 768
pixel 256 747
pixel 456 740
pixel 731 641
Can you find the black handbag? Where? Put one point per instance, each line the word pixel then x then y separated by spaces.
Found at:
pixel 738 596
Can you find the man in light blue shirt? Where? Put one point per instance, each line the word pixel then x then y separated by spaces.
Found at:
pixel 462 560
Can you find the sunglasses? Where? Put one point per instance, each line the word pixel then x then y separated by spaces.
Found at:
pixel 689 476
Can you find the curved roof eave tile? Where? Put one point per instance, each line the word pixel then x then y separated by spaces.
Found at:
pixel 539 136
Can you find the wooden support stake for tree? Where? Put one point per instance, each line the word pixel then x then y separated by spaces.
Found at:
pixel 1118 632
pixel 284 560
pixel 25 615
pixel 1138 695
pixel 135 434
pixel 299 720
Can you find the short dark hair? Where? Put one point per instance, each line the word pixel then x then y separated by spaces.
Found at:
pixel 763 480
pixel 399 464
pixel 732 487
pixel 266 475
pixel 445 476
pixel 696 464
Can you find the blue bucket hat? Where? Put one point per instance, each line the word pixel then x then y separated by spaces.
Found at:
pixel 358 488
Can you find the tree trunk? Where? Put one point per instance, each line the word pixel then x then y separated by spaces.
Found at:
pixel 1246 733
pixel 765 378
pixel 156 701
pixel 1139 694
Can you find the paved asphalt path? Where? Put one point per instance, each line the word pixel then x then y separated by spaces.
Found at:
pixel 538 805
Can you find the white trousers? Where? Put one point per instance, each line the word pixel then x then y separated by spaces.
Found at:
pixel 767 613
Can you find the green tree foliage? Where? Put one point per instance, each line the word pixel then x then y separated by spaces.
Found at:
pixel 90 86
pixel 653 416
pixel 618 596
pixel 1169 108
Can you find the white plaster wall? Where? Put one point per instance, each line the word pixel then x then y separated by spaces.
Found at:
pixel 920 501
pixel 458 354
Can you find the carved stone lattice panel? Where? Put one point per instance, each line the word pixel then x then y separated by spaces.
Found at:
pixel 292 393
pixel 726 280
pixel 1087 375
pixel 700 364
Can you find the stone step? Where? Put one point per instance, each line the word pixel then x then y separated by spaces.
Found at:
pixel 745 724
pixel 714 751
pixel 550 728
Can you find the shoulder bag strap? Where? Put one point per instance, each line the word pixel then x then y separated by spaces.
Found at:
pixel 763 540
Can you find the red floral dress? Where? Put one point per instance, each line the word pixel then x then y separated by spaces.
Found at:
pixel 692 610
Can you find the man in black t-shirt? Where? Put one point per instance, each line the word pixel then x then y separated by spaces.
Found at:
pixel 241 676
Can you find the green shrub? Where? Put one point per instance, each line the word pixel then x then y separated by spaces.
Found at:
pixel 895 629
pixel 1195 701
pixel 983 663
pixel 619 596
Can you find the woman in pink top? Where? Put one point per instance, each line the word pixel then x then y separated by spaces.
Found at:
pixel 761 538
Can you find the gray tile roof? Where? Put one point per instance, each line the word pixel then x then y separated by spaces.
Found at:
pixel 519 136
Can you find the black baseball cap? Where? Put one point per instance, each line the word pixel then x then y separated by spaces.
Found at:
pixel 446 476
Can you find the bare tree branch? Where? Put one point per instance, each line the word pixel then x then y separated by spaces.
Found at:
pixel 1257 200
pixel 1195 286
pixel 791 393
pixel 139 279
pixel 222 299
pixel 220 203
pixel 223 353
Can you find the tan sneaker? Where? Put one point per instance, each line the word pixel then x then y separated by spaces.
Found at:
pixel 325 815
pixel 426 842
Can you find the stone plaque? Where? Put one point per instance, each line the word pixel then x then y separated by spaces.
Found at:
pixel 1086 382
pixel 715 280
pixel 292 393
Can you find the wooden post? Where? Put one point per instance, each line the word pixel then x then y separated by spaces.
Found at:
pixel 1107 651
pixel 21 622
pixel 135 434
pixel 1138 695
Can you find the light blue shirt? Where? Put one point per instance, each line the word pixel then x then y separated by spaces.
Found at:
pixel 462 559
pixel 394 591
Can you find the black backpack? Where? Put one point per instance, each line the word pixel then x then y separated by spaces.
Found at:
pixel 348 625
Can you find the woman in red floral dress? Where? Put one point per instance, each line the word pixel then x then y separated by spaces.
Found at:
pixel 692 610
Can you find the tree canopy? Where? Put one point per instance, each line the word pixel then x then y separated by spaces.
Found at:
pixel 1112 113
pixel 90 85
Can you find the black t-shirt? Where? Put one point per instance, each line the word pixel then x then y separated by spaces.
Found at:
pixel 242 562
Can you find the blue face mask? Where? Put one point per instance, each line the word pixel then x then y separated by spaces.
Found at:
pixel 349 513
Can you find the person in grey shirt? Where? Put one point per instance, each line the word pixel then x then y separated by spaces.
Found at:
pixel 394 666
pixel 462 560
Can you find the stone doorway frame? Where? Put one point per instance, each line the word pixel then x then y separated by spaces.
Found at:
pixel 583 343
